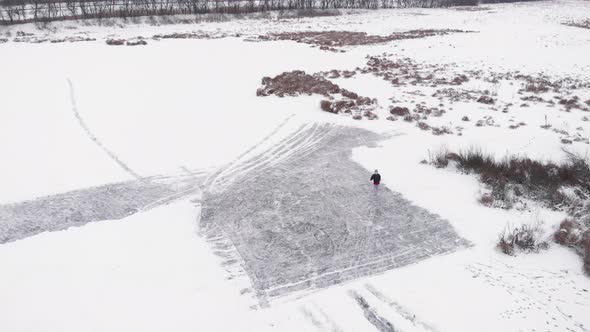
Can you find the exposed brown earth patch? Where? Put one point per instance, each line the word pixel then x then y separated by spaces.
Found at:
pixel 139 41
pixel 187 35
pixel 330 40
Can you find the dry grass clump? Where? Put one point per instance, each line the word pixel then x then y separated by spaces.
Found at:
pixel 136 42
pixel 524 238
pixel 297 82
pixel 399 111
pixel 584 24
pixel 130 42
pixel 586 247
pixel 326 106
pixel 71 39
pixel 486 200
pixel 569 233
pixel 517 176
pixel 440 158
pixel 573 234
pixel 486 100
pixel 541 83
pixel 330 39
pixel 423 125
pixel 115 42
pixel 185 35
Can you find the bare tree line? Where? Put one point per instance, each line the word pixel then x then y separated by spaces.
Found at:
pixel 24 11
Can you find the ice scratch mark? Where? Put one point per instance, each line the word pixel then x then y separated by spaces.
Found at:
pixel 380 323
pixel 328 320
pixel 401 310
pixel 214 177
pixel 314 320
pixel 95 139
pixel 322 322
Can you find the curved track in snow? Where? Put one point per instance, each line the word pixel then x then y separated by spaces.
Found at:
pixel 94 138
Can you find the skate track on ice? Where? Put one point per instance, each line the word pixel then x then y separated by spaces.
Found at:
pixel 302 215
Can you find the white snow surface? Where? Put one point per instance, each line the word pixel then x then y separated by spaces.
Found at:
pixel 176 105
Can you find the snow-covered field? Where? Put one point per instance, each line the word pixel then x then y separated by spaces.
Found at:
pixel 84 120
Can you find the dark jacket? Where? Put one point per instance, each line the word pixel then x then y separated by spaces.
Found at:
pixel 376 178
